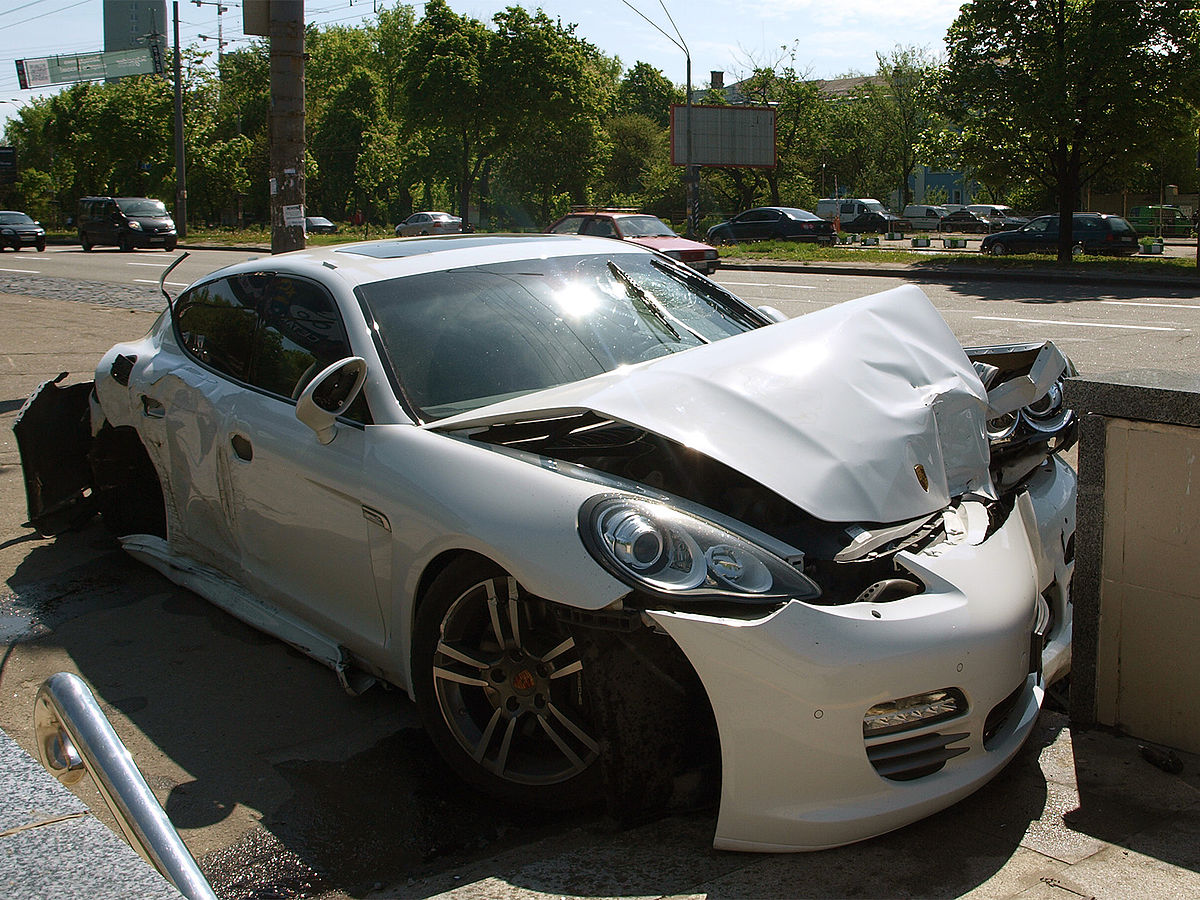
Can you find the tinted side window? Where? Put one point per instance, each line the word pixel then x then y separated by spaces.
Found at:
pixel 216 322
pixel 301 334
pixel 598 226
pixel 569 225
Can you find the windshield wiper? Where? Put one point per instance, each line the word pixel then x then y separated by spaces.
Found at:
pixel 652 306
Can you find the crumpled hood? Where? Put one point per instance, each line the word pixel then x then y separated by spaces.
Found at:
pixel 834 410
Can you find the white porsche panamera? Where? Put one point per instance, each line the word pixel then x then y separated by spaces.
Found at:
pixel 615 531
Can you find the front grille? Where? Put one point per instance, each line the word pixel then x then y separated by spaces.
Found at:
pixel 1000 714
pixel 911 758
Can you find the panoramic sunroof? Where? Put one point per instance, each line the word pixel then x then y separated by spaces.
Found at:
pixel 396 249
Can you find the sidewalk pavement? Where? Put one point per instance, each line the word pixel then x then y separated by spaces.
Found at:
pixel 1077 814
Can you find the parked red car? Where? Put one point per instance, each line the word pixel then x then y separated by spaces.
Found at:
pixel 640 228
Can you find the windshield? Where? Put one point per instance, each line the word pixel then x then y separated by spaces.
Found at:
pixel 141 206
pixel 644 226
pixel 874 206
pixel 461 339
pixel 15 218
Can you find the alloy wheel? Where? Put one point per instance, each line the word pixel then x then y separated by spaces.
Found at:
pixel 507 679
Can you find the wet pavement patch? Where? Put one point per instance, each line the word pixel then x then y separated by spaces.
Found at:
pixel 388 814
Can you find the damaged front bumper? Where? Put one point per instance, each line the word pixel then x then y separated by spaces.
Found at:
pixel 790 692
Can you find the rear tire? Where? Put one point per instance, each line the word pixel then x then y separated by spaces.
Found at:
pixel 998 249
pixel 85 242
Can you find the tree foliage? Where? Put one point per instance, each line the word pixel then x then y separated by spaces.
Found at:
pixel 515 118
pixel 1064 90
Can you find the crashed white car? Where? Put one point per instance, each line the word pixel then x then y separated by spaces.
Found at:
pixel 618 533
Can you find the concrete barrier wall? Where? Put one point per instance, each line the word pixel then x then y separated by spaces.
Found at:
pixel 1137 578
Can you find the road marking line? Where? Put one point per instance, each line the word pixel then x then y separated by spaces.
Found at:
pixel 161 265
pixel 155 281
pixel 1148 303
pixel 23 271
pixel 799 287
pixel 1080 324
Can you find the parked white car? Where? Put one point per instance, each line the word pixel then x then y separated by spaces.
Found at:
pixel 607 524
pixel 429 223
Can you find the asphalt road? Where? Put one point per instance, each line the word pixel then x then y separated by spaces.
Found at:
pixel 282 785
pixel 1102 327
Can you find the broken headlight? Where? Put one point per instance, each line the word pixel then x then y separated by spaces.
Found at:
pixel 660 550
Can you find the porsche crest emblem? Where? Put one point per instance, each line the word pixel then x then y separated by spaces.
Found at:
pixel 922 478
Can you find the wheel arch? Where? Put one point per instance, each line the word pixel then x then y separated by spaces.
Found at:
pixel 660 745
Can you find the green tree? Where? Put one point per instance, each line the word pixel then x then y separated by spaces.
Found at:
pixel 560 88
pixel 1065 89
pixel 448 89
pixel 646 91
pixel 903 106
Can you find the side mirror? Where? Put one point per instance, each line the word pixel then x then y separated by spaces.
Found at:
pixel 773 314
pixel 330 394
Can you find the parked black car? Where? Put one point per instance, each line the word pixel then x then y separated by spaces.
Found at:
pixel 773 223
pixel 319 225
pixel 18 230
pixel 125 222
pixel 1091 233
pixel 964 221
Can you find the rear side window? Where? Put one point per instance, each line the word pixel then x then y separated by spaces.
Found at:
pixel 301 333
pixel 599 227
pixel 216 322
pixel 569 225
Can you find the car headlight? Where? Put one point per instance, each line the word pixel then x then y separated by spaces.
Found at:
pixel 1047 413
pixel 6 231
pixel 135 226
pixel 654 548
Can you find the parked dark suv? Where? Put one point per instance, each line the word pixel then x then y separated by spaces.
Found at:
pixel 125 222
pixel 1091 233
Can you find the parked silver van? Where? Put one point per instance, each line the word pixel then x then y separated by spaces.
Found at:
pixel 924 217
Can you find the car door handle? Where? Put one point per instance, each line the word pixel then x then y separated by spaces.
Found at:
pixel 152 409
pixel 242 447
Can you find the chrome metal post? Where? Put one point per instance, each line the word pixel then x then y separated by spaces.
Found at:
pixel 73 738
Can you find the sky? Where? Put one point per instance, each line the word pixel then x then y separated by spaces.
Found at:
pixel 821 38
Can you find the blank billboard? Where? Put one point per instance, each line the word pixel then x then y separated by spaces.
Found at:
pixel 724 136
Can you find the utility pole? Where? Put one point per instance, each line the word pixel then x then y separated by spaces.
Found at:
pixel 287 125
pixel 180 166
pixel 221 42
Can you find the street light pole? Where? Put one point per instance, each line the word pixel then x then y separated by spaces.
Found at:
pixel 691 173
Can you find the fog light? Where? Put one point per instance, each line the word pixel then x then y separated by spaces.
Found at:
pixel 913 712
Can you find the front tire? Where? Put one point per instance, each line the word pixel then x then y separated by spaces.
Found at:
pixel 125 244
pixel 85 242
pixel 499 685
